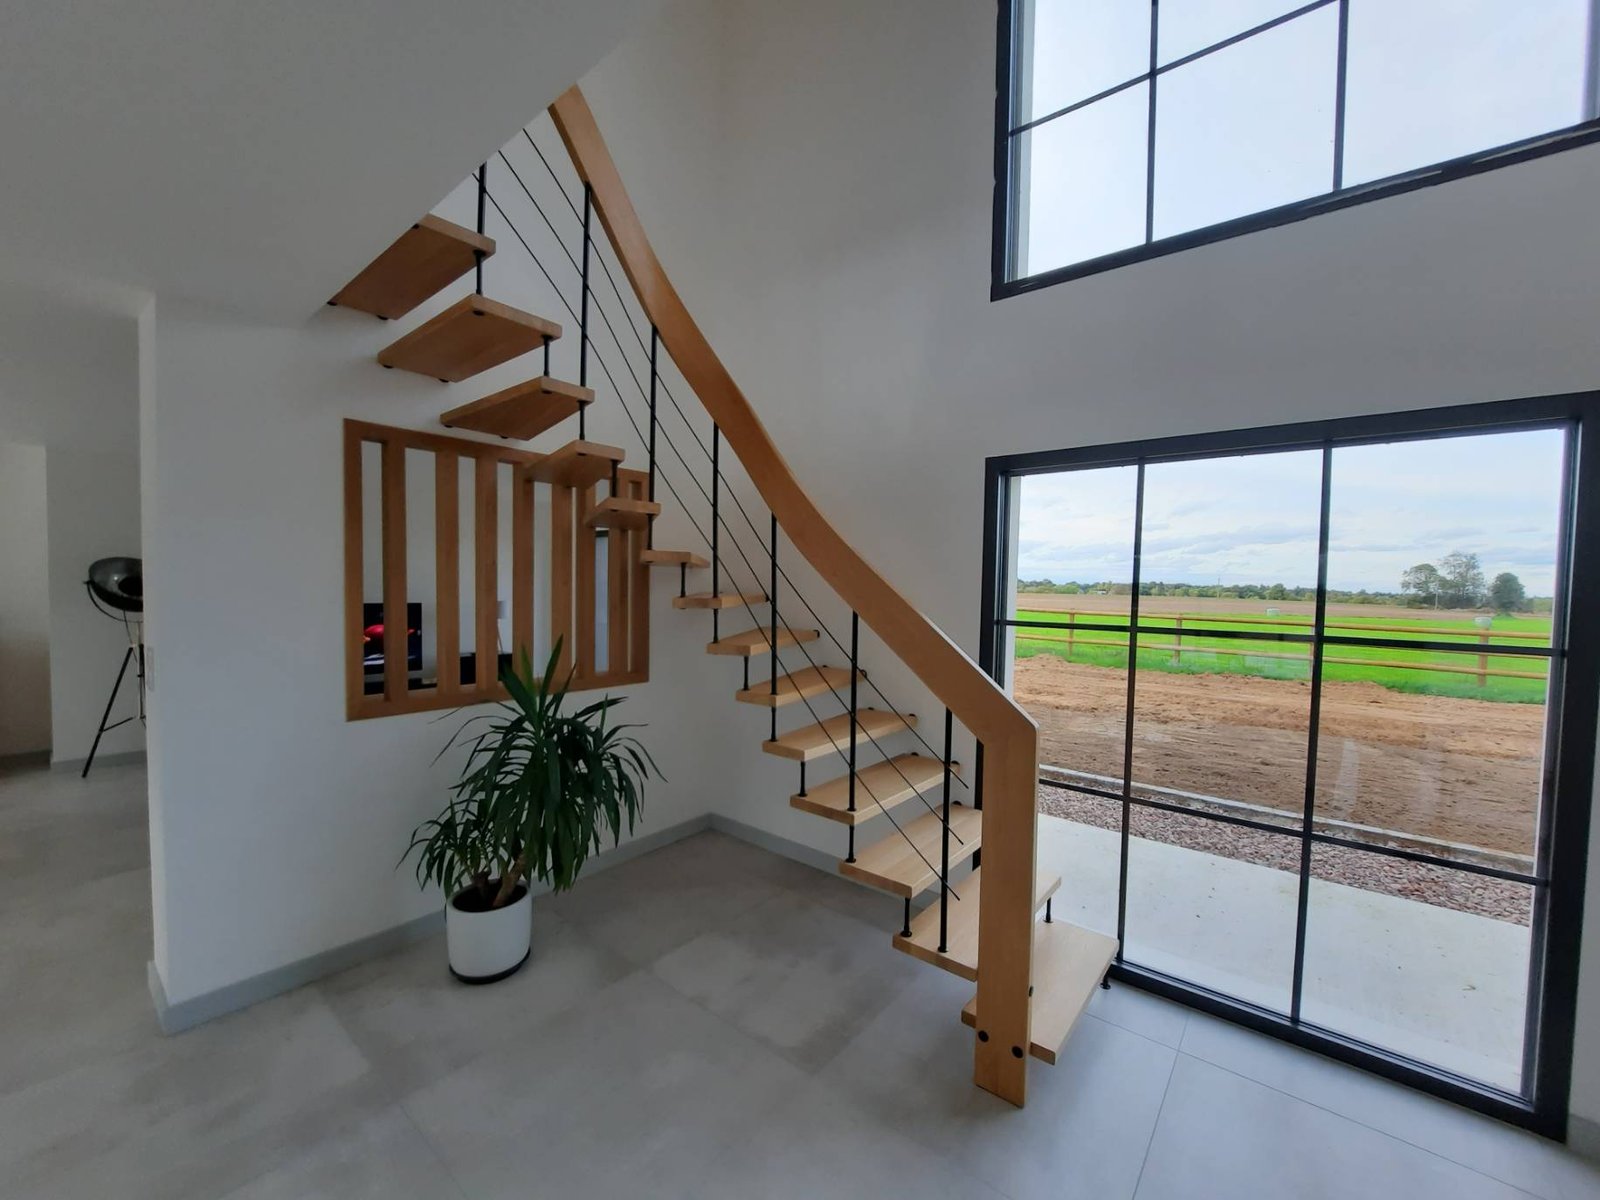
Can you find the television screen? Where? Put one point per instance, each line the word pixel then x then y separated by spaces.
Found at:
pixel 372 638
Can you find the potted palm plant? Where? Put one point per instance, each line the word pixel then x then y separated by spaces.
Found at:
pixel 538 790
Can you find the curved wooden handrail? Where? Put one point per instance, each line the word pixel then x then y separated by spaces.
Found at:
pixel 1009 735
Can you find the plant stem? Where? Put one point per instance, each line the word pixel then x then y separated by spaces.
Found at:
pixel 509 881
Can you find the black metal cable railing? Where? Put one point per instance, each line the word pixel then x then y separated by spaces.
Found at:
pixel 673 400
pixel 710 539
pixel 718 523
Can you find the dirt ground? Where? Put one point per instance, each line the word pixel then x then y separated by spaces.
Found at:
pixel 1460 771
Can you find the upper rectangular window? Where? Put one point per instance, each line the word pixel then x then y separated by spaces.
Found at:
pixel 1127 129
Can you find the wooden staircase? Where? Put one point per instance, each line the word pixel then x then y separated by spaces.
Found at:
pixel 1033 978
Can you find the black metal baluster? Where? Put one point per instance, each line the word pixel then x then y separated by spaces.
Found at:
pixel 944 865
pixel 772 637
pixel 655 341
pixel 583 309
pixel 483 194
pixel 547 358
pixel 716 557
pixel 855 654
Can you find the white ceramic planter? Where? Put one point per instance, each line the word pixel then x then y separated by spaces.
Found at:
pixel 486 946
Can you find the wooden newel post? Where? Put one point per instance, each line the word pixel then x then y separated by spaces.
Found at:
pixel 1005 922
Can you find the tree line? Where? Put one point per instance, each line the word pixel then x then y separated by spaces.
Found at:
pixel 1457 581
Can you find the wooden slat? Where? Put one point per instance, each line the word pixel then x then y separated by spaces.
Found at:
pixel 673 558
pixel 394 571
pixel 443 443
pixel 796 686
pixel 561 577
pixel 486 571
pixel 577 464
pixel 619 512
pixel 639 619
pixel 818 741
pixel 1068 964
pixel 894 863
pixel 1008 735
pixel 880 787
pixel 522 548
pixel 757 641
pixel 960 955
pixel 521 411
pixel 354 585
pixel 422 261
pixel 469 337
pixel 447 571
pixel 584 587
pixel 719 599
pixel 617 606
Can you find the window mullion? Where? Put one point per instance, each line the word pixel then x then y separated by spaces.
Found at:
pixel 1341 75
pixel 1150 142
pixel 1127 718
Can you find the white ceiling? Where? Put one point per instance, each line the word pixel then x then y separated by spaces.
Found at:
pixel 255 155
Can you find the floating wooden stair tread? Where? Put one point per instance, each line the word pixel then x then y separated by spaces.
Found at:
pixel 893 865
pixel 426 258
pixel 618 512
pixel 818 741
pixel 522 411
pixel 718 599
pixel 1068 964
pixel 469 337
pixel 577 464
pixel 960 956
pixel 878 787
pixel 756 641
pixel 673 558
pixel 797 686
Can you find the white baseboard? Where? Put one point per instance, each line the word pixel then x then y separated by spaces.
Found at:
pixel 100 760
pixel 196 1010
pixel 1583 1137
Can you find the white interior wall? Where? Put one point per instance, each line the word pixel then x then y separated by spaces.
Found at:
pixel 24 602
pixel 93 500
pixel 848 244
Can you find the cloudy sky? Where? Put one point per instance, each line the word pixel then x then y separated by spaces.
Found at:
pixel 1251 127
pixel 1253 518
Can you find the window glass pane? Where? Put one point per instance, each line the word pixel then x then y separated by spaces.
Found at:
pixel 1446 539
pixel 1221 718
pixel 1423 960
pixel 1075 572
pixel 1213 904
pixel 1080 840
pixel 1190 25
pixel 1427 84
pixel 1083 183
pixel 1079 48
pixel 1247 128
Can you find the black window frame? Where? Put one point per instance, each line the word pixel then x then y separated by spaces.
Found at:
pixel 1573 705
pixel 1009 56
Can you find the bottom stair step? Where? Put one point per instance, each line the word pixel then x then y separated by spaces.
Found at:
pixel 960 956
pixel 1068 964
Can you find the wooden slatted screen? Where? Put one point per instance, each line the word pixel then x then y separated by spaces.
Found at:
pixel 397 687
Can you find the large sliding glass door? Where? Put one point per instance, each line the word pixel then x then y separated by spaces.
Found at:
pixel 1312 714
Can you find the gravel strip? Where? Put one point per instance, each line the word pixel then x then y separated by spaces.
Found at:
pixel 1458 890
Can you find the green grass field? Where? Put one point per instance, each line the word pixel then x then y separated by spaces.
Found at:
pixel 1176 643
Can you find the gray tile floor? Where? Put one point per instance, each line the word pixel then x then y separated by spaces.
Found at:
pixel 706 1021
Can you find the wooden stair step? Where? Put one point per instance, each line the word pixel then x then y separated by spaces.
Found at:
pixel 796 686
pixel 619 512
pixel 522 411
pixel 756 641
pixel 893 865
pixel 472 335
pixel 816 741
pixel 673 558
pixel 878 788
pixel 578 464
pixel 422 261
pixel 1068 964
pixel 718 599
pixel 960 956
